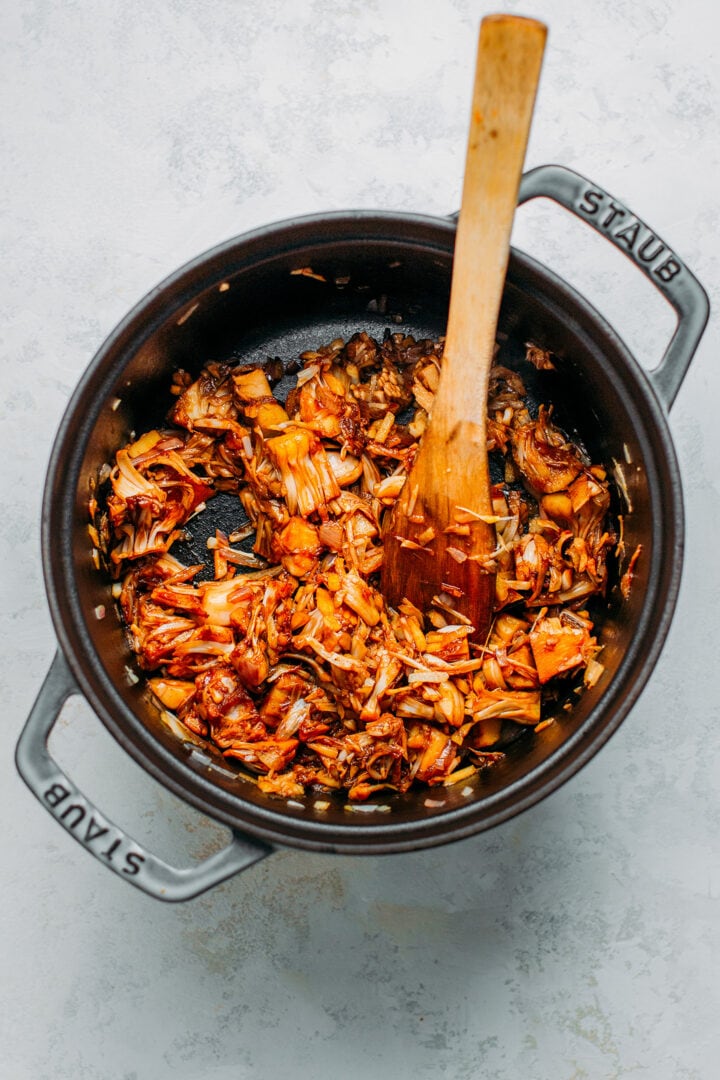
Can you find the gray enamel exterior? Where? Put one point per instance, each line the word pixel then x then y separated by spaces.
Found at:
pixel 258 828
pixel 644 247
pixel 89 826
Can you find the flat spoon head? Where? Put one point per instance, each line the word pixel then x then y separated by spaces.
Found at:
pixel 439 541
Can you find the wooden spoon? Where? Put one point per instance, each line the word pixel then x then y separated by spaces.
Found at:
pixel 438 541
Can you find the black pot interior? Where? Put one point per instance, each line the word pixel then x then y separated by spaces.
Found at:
pixel 247 302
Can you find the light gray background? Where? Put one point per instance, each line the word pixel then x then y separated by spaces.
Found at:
pixel 580 940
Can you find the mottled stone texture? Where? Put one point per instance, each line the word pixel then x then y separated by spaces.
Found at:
pixel 579 941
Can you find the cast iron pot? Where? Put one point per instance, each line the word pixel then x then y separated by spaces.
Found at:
pixel 247 299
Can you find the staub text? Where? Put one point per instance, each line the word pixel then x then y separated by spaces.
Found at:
pixel 78 819
pixel 630 234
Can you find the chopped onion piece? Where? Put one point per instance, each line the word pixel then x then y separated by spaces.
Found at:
pixel 299 672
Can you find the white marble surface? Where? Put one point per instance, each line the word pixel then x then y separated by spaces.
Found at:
pixel 581 940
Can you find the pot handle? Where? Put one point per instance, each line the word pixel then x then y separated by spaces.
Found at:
pixel 613 220
pixel 92 829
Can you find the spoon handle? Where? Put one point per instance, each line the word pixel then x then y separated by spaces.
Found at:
pixel 510 52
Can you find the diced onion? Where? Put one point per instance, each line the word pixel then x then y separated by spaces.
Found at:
pixel 299 673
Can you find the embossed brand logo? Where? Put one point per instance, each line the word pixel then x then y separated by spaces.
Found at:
pixel 78 819
pixel 629 234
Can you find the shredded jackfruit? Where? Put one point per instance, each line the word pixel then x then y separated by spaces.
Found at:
pixel 299 670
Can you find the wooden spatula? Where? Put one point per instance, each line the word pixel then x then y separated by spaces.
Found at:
pixel 438 541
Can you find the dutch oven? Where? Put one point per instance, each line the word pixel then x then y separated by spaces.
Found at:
pixel 246 299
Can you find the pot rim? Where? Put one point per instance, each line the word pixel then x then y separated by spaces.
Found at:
pixel 279 826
